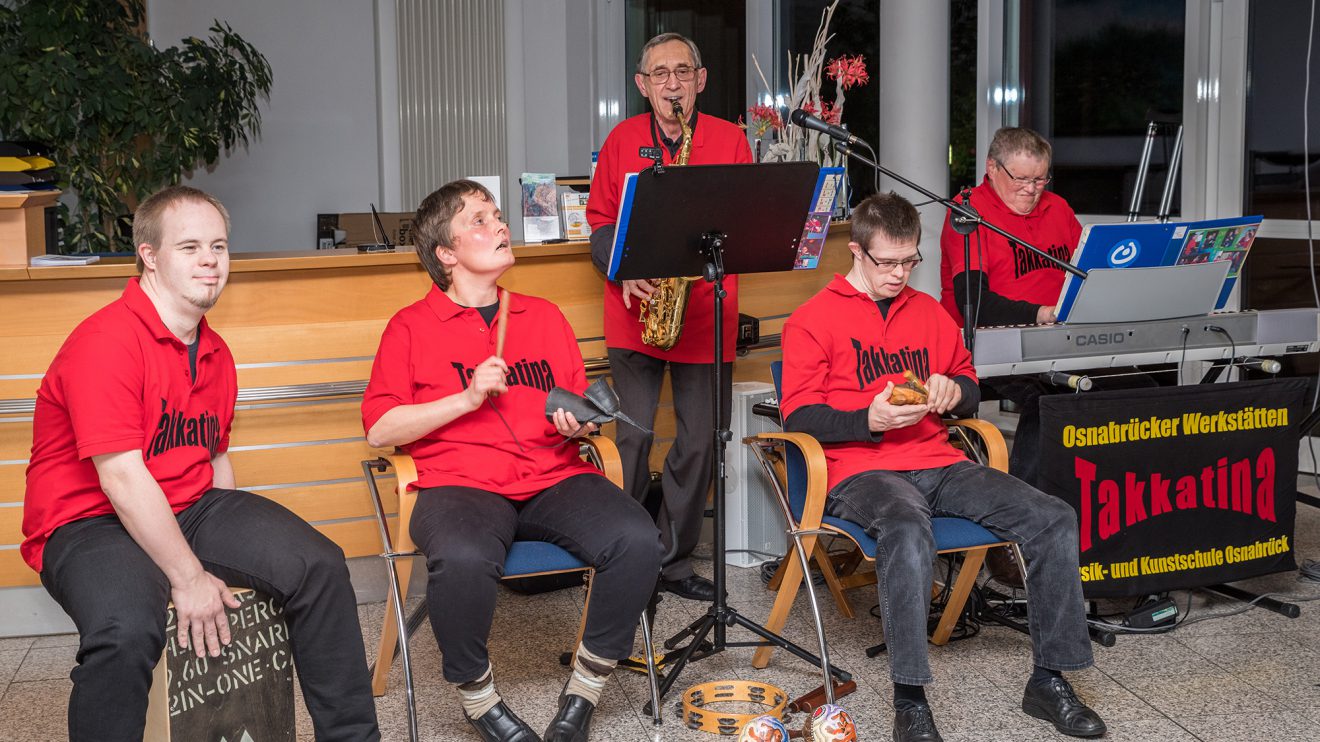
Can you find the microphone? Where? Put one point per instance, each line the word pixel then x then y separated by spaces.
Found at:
pixel 807 121
pixel 1268 365
pixel 1069 381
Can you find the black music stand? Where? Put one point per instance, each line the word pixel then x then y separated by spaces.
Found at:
pixel 710 220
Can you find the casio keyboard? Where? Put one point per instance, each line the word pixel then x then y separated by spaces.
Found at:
pixel 1006 351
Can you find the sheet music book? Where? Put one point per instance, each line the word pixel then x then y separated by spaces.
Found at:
pixel 1161 244
pixel 829 184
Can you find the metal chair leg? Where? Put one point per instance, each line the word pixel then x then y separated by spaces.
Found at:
pixel 828 684
pixel 390 556
pixel 403 644
pixel 654 681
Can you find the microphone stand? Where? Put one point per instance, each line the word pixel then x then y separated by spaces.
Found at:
pixel 965 220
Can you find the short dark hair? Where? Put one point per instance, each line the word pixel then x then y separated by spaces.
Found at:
pixel 431 224
pixel 889 214
pixel 1019 140
pixel 147 226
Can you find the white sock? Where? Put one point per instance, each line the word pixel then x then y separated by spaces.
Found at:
pixel 589 674
pixel 479 696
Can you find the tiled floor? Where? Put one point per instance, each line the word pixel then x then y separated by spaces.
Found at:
pixel 1253 676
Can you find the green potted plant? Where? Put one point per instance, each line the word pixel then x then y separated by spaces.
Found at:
pixel 122 117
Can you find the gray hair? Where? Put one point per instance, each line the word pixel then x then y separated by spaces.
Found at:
pixel 665 38
pixel 1015 140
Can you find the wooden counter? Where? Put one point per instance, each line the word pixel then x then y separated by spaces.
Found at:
pixel 294 319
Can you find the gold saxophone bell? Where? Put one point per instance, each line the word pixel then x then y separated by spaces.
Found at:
pixel 662 314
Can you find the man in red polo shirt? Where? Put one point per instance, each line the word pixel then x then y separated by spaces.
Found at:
pixel 669 71
pixel 1009 284
pixel 131 503
pixel 891 468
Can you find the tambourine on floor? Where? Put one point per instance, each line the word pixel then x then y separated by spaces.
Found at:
pixel 705 705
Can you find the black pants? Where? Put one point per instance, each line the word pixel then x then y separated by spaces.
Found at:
pixel 1026 391
pixel 686 478
pixel 465 534
pixel 118 597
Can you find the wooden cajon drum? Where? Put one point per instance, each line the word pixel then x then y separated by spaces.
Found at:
pixel 244 695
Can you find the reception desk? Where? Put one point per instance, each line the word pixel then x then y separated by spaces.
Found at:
pixel 303 328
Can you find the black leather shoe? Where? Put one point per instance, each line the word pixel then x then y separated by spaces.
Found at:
pixel 1055 702
pixel 573 722
pixel 500 724
pixel 915 724
pixel 694 587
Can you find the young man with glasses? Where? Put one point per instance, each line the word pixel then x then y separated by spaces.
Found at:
pixel 669 72
pixel 891 468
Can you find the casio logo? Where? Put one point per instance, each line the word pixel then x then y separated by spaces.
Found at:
pixel 1100 338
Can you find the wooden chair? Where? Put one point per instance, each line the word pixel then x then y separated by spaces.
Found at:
pixel 525 559
pixel 795 463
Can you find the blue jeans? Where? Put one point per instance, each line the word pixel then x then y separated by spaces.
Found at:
pixel 895 507
pixel 465 534
pixel 117 598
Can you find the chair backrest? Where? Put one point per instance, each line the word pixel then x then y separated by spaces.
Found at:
pixel 795 467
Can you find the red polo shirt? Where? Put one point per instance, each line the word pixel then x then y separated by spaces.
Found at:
pixel 714 142
pixel 429 351
pixel 121 382
pixel 1013 271
pixel 840 351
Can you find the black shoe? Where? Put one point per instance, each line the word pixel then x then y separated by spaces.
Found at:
pixel 573 722
pixel 915 724
pixel 1055 702
pixel 694 587
pixel 500 724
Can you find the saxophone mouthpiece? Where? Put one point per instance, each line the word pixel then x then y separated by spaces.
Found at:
pixel 678 110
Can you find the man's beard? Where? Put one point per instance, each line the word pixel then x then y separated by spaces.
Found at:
pixel 203 302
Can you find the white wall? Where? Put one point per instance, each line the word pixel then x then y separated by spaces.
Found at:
pixel 318 149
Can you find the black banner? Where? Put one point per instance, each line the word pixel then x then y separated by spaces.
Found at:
pixel 1176 487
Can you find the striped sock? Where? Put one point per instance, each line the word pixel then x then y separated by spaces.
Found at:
pixel 589 674
pixel 479 696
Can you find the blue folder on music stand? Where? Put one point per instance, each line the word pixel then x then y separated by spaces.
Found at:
pixel 1171 250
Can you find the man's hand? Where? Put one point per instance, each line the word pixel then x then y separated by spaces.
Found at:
pixel 200 607
pixel 568 426
pixel 640 289
pixel 882 416
pixel 1045 315
pixel 487 381
pixel 945 394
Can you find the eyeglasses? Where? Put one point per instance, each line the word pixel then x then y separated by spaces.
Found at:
pixel 1024 182
pixel 661 76
pixel 889 265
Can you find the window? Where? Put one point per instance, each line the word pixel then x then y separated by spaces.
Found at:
pixel 1093 73
pixel 1276 59
pixel 719 31
pixel 855 28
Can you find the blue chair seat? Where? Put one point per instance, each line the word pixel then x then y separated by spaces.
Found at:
pixel 531 557
pixel 951 534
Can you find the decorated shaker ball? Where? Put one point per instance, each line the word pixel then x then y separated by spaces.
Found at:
pixel 764 729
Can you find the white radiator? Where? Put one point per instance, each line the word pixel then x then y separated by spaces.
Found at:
pixel 451 92
pixel 753 520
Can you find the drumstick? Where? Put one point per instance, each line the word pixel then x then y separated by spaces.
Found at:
pixel 504 323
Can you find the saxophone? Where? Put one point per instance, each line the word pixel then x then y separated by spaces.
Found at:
pixel 662 314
